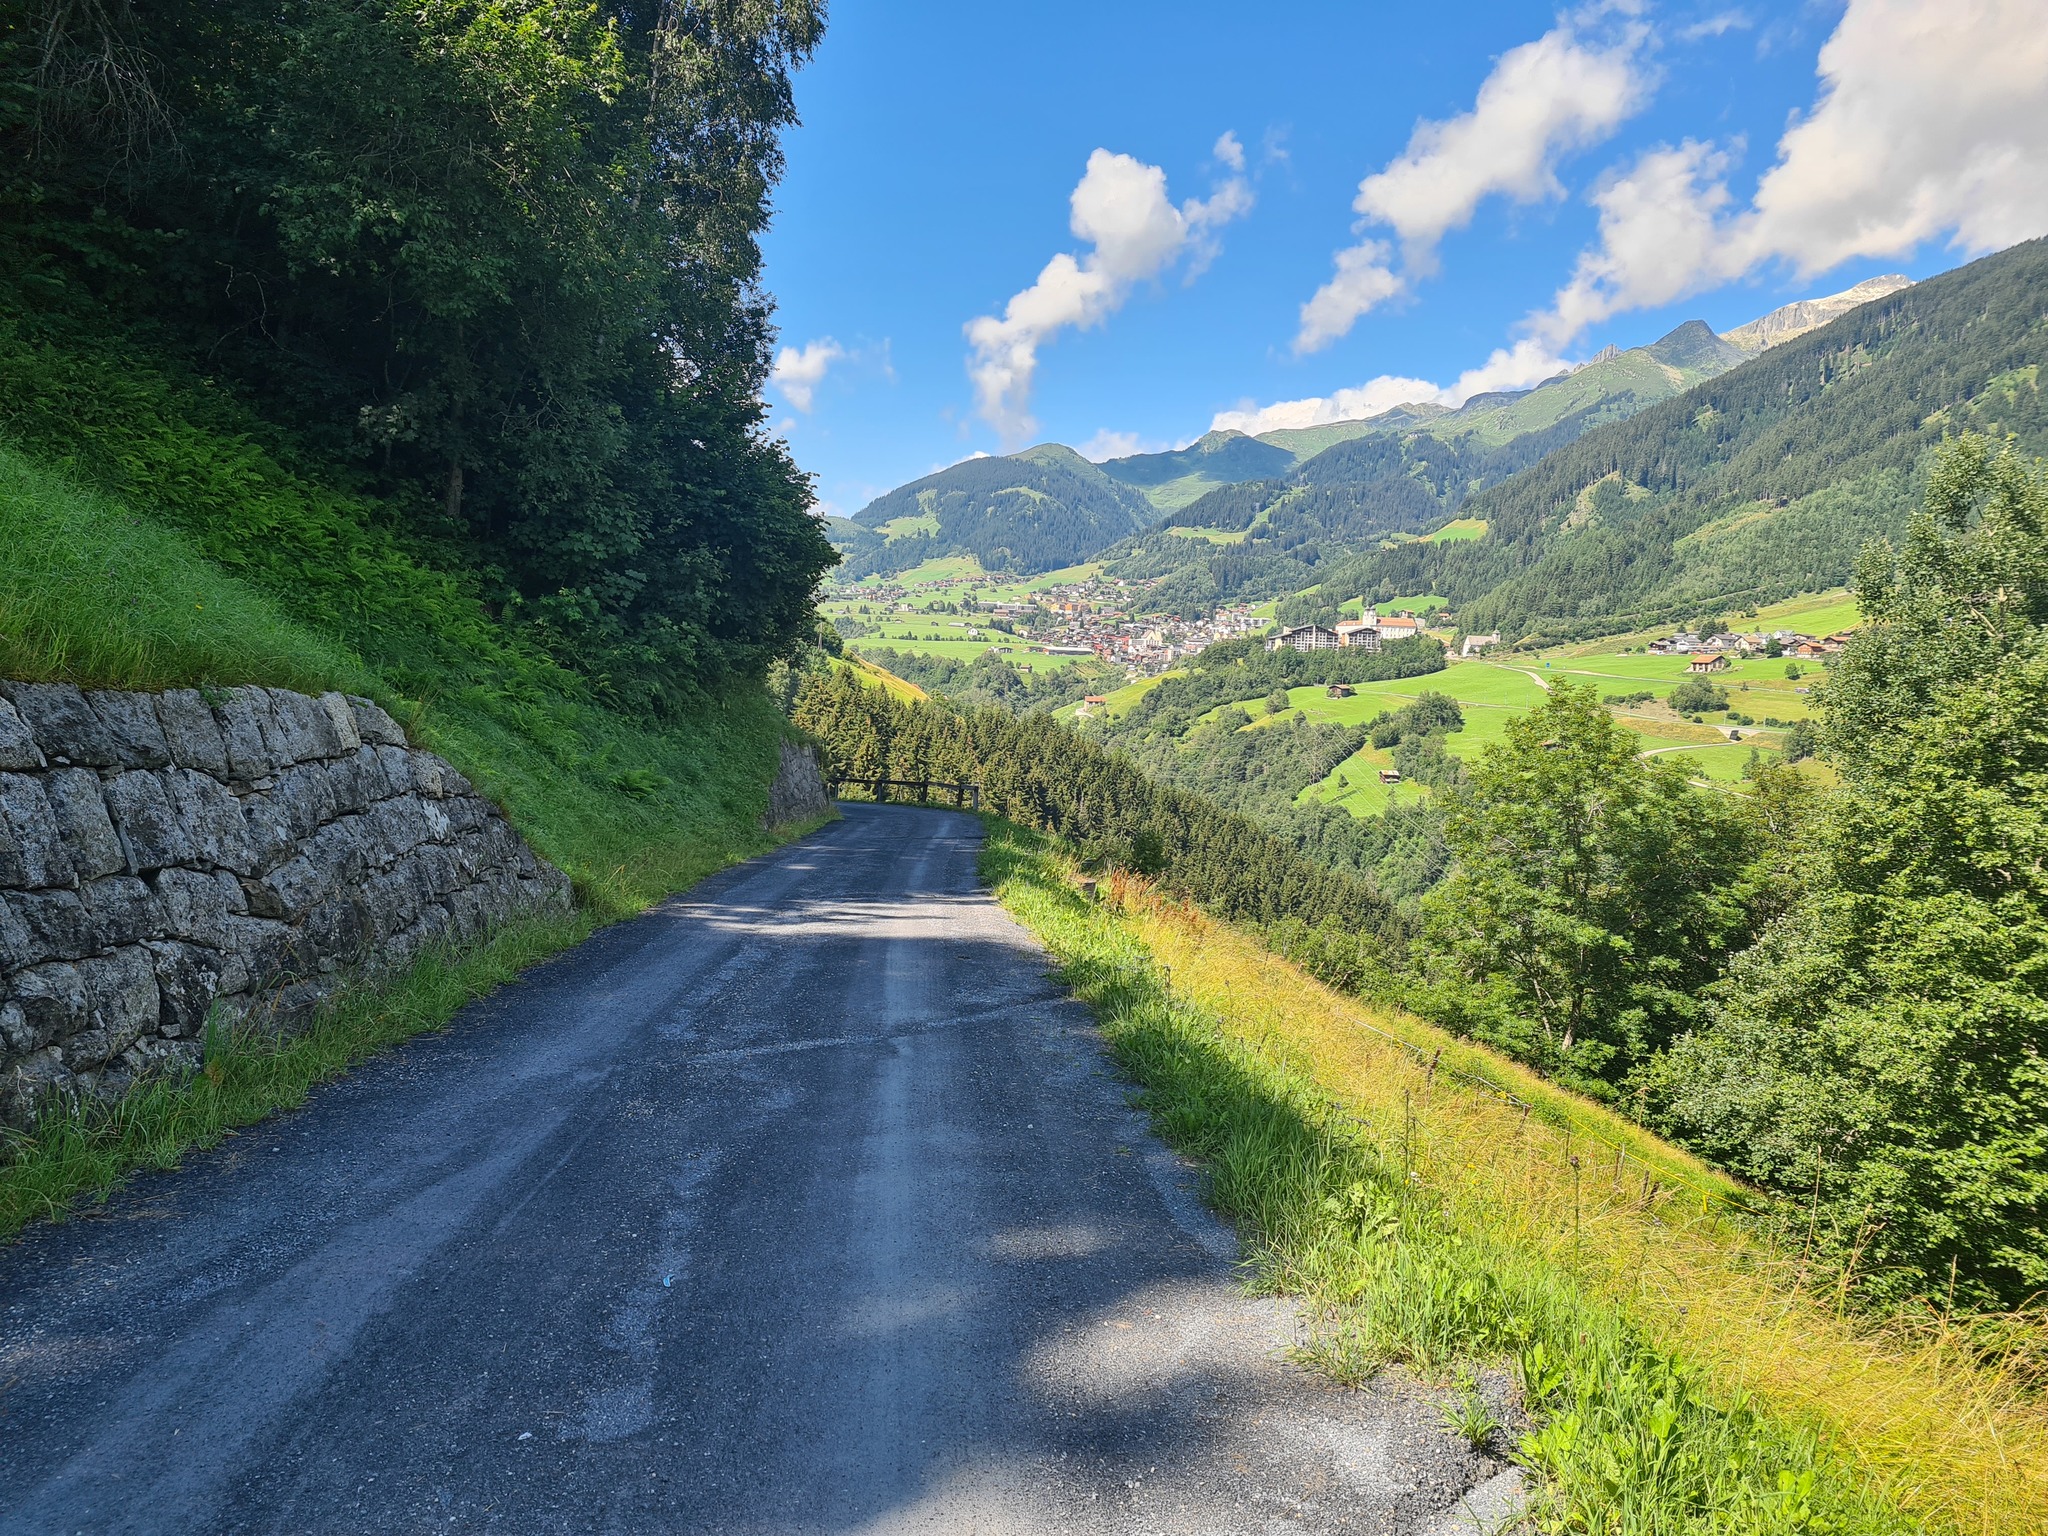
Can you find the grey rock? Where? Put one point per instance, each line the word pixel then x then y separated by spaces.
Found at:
pixel 797 792
pixel 131 725
pixel 243 715
pixel 191 732
pixel 215 827
pixel 263 949
pixel 347 734
pixel 31 848
pixel 397 764
pixel 52 1000
pixel 269 833
pixel 65 727
pixel 58 925
pixel 299 728
pixel 399 824
pixel 17 944
pixel 289 891
pixel 123 910
pixel 339 932
pixel 453 783
pixel 151 833
pixel 18 747
pixel 195 905
pixel 374 726
pixel 16 1037
pixel 357 781
pixel 30 1086
pixel 122 1003
pixel 187 980
pixel 337 851
pixel 305 797
pixel 81 811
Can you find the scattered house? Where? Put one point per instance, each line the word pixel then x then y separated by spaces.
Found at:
pixel 1708 662
pixel 1094 701
pixel 1304 637
pixel 1390 775
pixel 1341 690
pixel 1478 645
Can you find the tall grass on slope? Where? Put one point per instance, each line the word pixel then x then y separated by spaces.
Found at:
pixel 1684 1378
pixel 92 593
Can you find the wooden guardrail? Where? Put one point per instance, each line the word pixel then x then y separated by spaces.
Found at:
pixel 966 796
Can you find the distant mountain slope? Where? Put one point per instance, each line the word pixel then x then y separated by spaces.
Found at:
pixel 1174 479
pixel 1803 315
pixel 1762 481
pixel 1321 498
pixel 1027 512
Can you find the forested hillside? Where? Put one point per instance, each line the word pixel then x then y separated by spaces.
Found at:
pixel 1759 483
pixel 488 272
pixel 1030 512
pixel 414 350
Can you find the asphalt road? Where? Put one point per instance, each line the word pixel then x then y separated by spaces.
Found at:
pixel 804 1204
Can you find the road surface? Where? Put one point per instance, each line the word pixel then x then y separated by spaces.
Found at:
pixel 806 1203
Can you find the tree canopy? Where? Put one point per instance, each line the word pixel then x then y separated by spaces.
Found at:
pixel 495 259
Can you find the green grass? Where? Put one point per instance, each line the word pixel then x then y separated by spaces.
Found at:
pixel 1331 1209
pixel 151 536
pixel 1427 604
pixel 1457 531
pixel 905 527
pixel 94 594
pixel 938 568
pixel 1213 535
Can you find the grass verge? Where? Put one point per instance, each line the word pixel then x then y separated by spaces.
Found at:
pixel 1683 1378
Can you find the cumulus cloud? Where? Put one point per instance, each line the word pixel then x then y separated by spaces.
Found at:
pixel 1930 122
pixel 1107 444
pixel 1134 233
pixel 1524 365
pixel 1541 100
pixel 798 371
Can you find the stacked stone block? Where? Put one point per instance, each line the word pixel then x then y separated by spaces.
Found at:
pixel 166 858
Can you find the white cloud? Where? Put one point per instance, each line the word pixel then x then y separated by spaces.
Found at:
pixel 798 371
pixel 1541 100
pixel 1521 366
pixel 1930 122
pixel 1229 151
pixel 1717 25
pixel 1106 444
pixel 1134 233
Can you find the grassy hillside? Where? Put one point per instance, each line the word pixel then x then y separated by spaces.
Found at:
pixel 1434 1205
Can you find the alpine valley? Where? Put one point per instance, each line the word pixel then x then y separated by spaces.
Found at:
pixel 1694 472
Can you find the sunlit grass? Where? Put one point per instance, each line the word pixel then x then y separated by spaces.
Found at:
pixel 1564 1206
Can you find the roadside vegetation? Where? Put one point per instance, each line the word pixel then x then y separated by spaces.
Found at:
pixel 1440 1207
pixel 300 385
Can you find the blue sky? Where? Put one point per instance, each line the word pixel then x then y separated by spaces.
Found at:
pixel 1412 198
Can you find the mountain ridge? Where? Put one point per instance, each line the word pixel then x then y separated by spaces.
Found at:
pixel 1048 506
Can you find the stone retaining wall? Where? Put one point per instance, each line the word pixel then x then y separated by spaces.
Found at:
pixel 797 792
pixel 168 856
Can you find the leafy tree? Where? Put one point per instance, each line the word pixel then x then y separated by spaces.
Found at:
pixel 497 259
pixel 1697 696
pixel 1592 894
pixel 1276 701
pixel 1882 1053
